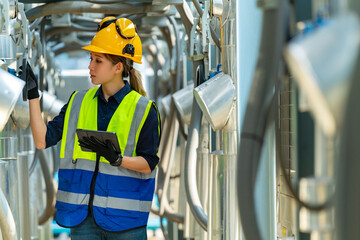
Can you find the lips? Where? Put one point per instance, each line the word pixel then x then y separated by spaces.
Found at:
pixel 92 76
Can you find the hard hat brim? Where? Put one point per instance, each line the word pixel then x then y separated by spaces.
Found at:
pixel 96 49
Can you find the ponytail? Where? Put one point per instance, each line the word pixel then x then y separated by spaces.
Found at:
pixel 129 71
pixel 135 81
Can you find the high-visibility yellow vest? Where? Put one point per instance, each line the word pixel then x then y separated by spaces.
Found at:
pixel 122 198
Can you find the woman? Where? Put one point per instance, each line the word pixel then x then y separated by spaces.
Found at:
pixel 105 194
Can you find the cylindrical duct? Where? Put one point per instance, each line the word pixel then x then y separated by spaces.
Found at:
pixel 51 105
pixel 21 114
pixel 10 90
pixel 183 100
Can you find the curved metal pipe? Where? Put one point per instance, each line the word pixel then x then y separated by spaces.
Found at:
pixel 178 50
pixel 50 190
pixel 81 7
pixel 253 129
pixel 171 147
pixel 7 222
pixel 36 23
pixel 60 48
pixel 192 144
pixel 85 20
pixel 73 28
pixel 55 160
pixel 214 36
pixel 186 16
pixel 167 152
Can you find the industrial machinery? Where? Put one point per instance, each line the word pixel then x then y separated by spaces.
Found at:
pixel 259 113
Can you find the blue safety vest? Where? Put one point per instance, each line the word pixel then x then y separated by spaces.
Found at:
pixel 122 198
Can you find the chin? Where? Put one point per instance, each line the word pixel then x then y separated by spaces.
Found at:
pixel 95 82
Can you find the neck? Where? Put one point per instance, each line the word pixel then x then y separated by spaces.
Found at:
pixel 110 88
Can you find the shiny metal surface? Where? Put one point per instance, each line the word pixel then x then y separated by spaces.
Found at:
pixel 321 77
pixel 221 173
pixel 9 175
pixel 217 7
pixel 216 105
pixel 8 148
pixel 265 187
pixel 229 132
pixel 192 144
pixel 316 190
pixel 10 90
pixel 183 100
pixel 7 222
pixel 23 186
pixel 321 221
pixel 165 104
pixel 21 114
pixel 203 172
pixel 286 216
pixel 7 47
pixel 51 105
pixel 318 235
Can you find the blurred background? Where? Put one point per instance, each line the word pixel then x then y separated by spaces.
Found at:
pixel 259 107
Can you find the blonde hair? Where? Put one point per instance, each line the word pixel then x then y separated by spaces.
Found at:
pixel 135 76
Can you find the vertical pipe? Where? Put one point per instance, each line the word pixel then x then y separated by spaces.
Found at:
pixel 347 193
pixel 8 175
pixel 258 105
pixel 190 161
pixel 203 172
pixel 7 222
pixel 23 171
pixel 229 147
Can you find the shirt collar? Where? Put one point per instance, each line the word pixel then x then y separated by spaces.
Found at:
pixel 119 96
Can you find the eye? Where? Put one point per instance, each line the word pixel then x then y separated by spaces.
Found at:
pixel 98 61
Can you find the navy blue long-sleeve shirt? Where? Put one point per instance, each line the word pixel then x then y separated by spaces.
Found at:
pixel 148 141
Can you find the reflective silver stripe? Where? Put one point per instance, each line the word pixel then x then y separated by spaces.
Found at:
pixel 122 203
pixel 72 124
pixel 73 198
pixel 138 116
pixel 105 168
pixel 83 164
pixel 104 202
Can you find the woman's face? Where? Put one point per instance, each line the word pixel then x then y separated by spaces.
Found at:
pixel 101 69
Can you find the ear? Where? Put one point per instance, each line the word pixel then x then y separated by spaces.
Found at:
pixel 119 67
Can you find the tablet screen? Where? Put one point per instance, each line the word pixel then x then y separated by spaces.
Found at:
pixel 102 136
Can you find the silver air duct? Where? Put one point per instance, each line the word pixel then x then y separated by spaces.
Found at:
pixel 10 90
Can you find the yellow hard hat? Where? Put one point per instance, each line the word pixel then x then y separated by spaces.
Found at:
pixel 117 37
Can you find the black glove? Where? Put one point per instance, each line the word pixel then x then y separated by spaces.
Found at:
pixel 31 85
pixel 106 150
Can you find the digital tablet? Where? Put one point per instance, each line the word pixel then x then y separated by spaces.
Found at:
pixel 102 136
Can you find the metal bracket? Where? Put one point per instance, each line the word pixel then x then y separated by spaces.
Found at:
pixel 194 43
pixel 205 22
pixel 25 30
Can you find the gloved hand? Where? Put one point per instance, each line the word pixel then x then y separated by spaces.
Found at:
pixel 31 81
pixel 106 150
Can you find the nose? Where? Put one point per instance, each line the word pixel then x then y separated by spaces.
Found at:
pixel 91 66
